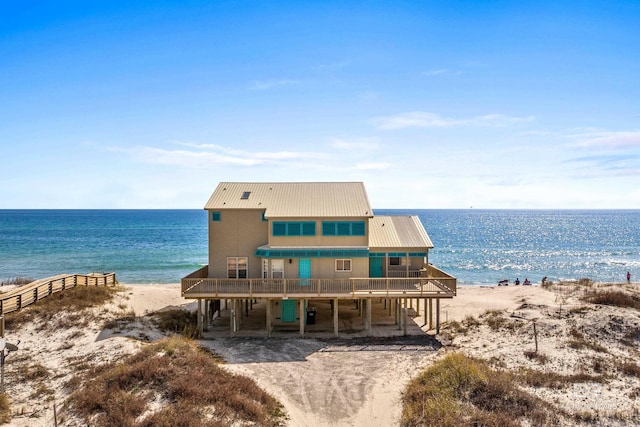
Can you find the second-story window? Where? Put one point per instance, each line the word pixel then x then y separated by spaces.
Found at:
pixel 294 228
pixel 343 228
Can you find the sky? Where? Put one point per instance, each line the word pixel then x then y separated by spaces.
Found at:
pixel 432 104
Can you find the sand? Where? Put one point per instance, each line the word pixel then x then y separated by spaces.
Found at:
pixel 358 381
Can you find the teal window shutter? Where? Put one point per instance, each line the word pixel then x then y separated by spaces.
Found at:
pixel 215 216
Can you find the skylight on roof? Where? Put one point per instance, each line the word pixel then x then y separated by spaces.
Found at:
pixel 245 195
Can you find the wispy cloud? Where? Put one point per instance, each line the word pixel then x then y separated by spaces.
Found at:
pixel 431 120
pixel 356 144
pixel 620 140
pixel 270 84
pixel 207 155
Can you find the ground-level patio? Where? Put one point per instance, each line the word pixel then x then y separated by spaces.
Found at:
pixel 321 318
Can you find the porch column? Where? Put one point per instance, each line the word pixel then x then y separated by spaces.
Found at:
pixel 369 304
pixel 268 317
pixel 205 316
pixel 430 313
pixel 232 317
pixel 302 317
pixel 199 315
pixel 437 315
pixel 335 316
pixel 405 317
pixel 418 307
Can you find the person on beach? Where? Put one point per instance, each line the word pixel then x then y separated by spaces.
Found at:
pixel 517 282
pixel 544 280
pixel 527 282
pixel 628 277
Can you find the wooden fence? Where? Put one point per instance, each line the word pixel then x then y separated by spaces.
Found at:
pixel 34 291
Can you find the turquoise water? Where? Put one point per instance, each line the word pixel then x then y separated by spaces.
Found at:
pixel 476 246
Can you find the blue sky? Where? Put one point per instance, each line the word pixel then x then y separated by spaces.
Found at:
pixel 432 104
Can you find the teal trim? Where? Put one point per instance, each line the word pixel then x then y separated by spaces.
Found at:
pixel 293 228
pixel 343 228
pixel 377 254
pixel 375 267
pixel 304 271
pixel 215 216
pixel 422 254
pixel 312 253
pixel 395 254
pixel 263 218
pixel 288 313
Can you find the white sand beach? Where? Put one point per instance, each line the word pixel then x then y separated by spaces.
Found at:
pixel 344 382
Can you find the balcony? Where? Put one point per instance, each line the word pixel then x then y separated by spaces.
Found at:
pixel 428 282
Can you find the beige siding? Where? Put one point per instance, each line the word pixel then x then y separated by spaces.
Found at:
pixel 238 233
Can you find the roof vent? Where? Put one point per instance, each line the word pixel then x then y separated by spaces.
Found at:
pixel 245 195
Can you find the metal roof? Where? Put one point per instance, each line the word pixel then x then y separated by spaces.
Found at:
pixel 294 199
pixel 397 232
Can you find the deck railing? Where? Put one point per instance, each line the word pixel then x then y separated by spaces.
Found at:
pixel 205 287
pixel 34 291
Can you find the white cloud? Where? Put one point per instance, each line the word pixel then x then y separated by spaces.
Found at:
pixel 206 155
pixel 432 120
pixel 611 140
pixel 270 84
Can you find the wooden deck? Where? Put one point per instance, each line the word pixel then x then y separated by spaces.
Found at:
pixel 34 291
pixel 385 287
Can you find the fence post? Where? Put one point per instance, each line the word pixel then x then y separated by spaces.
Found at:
pixel 35 295
pixel 19 301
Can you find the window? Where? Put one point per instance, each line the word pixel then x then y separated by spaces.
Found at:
pixel 277 268
pixel 343 228
pixel 237 267
pixel 215 216
pixel 396 260
pixel 294 228
pixel 343 265
pixel 245 195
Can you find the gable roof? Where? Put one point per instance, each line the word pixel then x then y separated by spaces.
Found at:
pixel 397 232
pixel 294 199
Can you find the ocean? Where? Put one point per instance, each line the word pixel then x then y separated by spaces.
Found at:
pixel 479 247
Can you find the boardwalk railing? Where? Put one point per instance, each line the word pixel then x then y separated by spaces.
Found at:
pixel 34 291
pixel 197 285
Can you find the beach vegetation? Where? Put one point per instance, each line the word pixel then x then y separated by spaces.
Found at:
pixel 178 321
pixel 578 342
pixel 16 281
pixel 63 309
pixel 548 379
pixel 496 321
pixel 616 298
pixel 631 369
pixel 459 390
pixel 171 382
pixel 537 356
pixel 5 409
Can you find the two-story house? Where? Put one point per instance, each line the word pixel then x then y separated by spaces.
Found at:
pixel 289 243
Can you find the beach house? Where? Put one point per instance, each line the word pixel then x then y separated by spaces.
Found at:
pixel 286 244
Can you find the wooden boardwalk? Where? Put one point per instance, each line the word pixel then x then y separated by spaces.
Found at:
pixel 42 288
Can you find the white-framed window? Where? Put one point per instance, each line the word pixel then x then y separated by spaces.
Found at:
pixel 343 265
pixel 237 267
pixel 277 268
pixel 265 268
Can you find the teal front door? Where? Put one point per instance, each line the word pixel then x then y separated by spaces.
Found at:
pixel 304 271
pixel 288 310
pixel 375 267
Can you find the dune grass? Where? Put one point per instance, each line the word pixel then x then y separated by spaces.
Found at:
pixel 171 382
pixel 459 390
pixel 70 301
pixel 616 298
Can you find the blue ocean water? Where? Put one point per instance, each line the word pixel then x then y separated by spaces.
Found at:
pixel 476 246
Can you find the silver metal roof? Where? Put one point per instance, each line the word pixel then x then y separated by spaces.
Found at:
pixel 294 199
pixel 397 232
